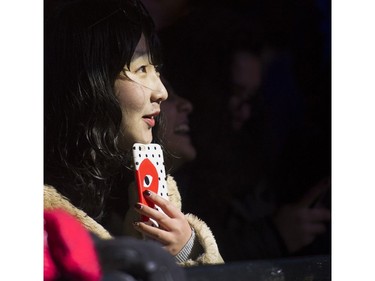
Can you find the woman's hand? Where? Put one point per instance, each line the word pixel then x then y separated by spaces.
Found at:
pixel 174 230
pixel 300 223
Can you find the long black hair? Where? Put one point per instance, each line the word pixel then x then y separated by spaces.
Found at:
pixel 87 43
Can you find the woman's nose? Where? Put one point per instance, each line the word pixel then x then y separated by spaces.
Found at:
pixel 159 92
pixel 185 105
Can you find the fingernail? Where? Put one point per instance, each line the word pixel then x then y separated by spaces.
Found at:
pixel 138 206
pixel 136 224
pixel 147 193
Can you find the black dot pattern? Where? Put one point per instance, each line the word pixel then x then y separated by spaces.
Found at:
pixel 155 154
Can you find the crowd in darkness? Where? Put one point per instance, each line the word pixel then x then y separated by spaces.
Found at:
pixel 259 76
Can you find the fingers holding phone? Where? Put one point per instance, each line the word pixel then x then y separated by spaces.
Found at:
pixel 160 219
pixel 173 230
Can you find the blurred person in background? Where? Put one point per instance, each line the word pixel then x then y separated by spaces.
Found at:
pixel 247 129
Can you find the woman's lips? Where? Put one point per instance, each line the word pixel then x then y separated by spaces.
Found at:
pixel 182 129
pixel 149 120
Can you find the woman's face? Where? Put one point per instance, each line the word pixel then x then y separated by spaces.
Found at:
pixel 246 79
pixel 176 111
pixel 140 93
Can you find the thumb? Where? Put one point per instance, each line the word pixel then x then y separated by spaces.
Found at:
pixel 315 193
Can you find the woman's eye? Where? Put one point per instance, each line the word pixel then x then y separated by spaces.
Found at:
pixel 142 69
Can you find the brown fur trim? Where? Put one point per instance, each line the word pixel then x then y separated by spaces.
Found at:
pixel 203 233
pixel 54 200
pixel 207 240
pixel 173 193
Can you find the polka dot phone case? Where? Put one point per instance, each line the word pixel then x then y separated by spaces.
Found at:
pixel 149 173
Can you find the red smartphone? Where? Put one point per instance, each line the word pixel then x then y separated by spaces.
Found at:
pixel 150 173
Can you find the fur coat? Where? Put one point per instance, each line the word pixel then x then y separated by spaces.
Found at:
pixel 54 200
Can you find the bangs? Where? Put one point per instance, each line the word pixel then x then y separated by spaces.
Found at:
pixel 105 33
pixel 122 28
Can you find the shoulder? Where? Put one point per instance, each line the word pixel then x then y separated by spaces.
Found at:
pixel 54 200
